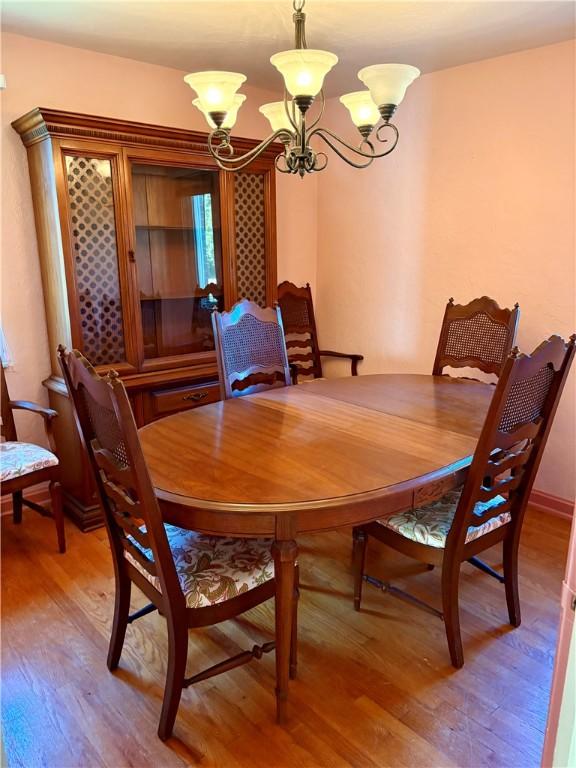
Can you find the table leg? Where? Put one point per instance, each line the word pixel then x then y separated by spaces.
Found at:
pixel 285 553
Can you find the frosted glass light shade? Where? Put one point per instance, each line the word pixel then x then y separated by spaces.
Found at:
pixel 231 115
pixel 362 109
pixel 275 113
pixel 304 69
pixel 388 82
pixel 215 90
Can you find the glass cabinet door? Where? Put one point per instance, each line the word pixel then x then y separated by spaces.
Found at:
pixel 178 256
pixel 93 232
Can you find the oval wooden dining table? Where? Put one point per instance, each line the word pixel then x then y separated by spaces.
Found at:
pixel 318 456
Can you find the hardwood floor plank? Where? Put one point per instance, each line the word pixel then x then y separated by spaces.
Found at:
pixel 374 688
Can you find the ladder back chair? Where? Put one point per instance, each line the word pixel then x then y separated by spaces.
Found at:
pixel 250 349
pixel 300 329
pixel 191 579
pixel 489 507
pixel 476 335
pixel 23 465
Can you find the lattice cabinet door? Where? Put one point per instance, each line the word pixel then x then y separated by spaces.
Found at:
pixel 94 268
pixel 255 236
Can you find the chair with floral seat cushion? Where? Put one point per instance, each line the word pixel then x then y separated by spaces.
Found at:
pixel 489 507
pixel 23 465
pixel 301 334
pixel 430 525
pixel 191 579
pixel 476 335
pixel 212 569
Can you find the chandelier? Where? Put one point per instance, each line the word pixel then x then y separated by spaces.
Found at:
pixel 304 70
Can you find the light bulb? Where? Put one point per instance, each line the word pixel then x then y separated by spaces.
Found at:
pixel 215 90
pixel 388 82
pixel 231 115
pixel 362 109
pixel 304 69
pixel 275 113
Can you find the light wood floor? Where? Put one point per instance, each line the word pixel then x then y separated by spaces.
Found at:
pixel 374 688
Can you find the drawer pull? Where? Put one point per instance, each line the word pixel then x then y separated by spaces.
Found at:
pixel 196 396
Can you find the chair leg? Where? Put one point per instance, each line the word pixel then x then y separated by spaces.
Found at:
pixel 177 653
pixel 17 507
pixel 120 621
pixel 450 609
pixel 359 555
pixel 510 551
pixel 294 634
pixel 58 514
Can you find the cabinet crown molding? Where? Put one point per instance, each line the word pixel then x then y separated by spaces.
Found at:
pixel 42 122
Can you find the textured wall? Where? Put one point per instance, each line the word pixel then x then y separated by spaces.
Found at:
pixel 478 198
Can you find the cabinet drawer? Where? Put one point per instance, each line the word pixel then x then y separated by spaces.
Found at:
pixel 165 401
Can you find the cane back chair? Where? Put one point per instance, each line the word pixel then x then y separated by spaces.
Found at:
pixel 191 579
pixel 476 335
pixel 250 349
pixel 489 507
pixel 301 335
pixel 23 465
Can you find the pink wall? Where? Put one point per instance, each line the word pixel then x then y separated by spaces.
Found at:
pixel 478 198
pixel 45 74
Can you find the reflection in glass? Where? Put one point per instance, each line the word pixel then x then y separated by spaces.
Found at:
pixel 178 255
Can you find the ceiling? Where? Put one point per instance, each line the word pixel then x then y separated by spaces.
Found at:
pixel 241 35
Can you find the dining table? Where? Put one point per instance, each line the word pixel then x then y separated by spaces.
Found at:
pixel 317 456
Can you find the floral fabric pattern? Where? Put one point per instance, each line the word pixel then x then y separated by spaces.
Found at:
pixel 17 459
pixel 431 524
pixel 212 569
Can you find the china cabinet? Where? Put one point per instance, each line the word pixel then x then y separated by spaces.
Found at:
pixel 140 235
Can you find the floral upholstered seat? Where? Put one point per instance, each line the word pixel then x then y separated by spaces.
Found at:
pixel 17 459
pixel 431 524
pixel 212 569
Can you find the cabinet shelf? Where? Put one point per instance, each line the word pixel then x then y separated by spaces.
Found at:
pixel 199 295
pixel 161 227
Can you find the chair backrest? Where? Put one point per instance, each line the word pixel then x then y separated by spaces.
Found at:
pixel 108 433
pixel 250 348
pixel 476 335
pixel 8 427
pixel 300 328
pixel 514 435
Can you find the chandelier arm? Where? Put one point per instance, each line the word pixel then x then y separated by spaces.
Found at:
pixel 320 133
pixel 291 114
pixel 319 166
pixel 317 120
pixel 357 151
pixel 239 162
pixel 281 166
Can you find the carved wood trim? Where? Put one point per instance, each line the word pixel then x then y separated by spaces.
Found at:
pixel 40 123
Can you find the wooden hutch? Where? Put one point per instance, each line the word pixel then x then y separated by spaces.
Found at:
pixel 140 235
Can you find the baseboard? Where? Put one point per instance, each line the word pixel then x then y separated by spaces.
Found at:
pixel 37 493
pixel 553 505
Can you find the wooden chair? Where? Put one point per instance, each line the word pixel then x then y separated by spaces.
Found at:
pixel 489 507
pixel 250 349
pixel 476 335
pixel 192 580
pixel 23 465
pixel 300 326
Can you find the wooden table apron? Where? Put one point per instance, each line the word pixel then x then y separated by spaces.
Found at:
pixel 315 457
